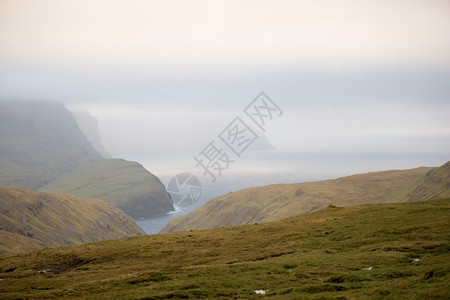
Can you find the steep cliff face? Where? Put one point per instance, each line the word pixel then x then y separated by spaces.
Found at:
pixel 124 184
pixel 43 148
pixel 276 202
pixel 89 126
pixel 38 143
pixel 40 219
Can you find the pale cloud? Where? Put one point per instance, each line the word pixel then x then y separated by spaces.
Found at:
pixel 143 131
pixel 374 128
pixel 166 76
pixel 389 128
pixel 225 36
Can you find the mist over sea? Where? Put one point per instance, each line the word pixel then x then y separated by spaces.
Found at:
pixel 258 168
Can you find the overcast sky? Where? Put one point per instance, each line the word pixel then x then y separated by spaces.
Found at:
pixel 351 76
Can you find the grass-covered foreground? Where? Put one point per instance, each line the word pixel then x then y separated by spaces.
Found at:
pixel 393 251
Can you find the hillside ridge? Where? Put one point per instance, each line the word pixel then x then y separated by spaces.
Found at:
pixel 55 220
pixel 276 202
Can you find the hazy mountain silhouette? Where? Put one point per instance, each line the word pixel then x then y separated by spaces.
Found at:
pixel 38 143
pixel 89 126
pixel 41 144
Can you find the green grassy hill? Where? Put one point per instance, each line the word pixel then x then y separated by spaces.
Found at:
pixel 392 251
pixel 34 220
pixel 276 202
pixel 124 184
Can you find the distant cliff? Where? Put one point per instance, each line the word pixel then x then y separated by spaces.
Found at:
pixel 30 220
pixel 43 148
pixel 38 143
pixel 89 126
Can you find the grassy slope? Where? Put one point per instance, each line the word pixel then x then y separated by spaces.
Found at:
pixel 55 220
pixel 276 202
pixel 14 243
pixel 435 185
pixel 122 183
pixel 321 255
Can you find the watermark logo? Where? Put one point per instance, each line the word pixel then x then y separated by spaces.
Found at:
pixel 213 160
pixel 262 110
pixel 237 137
pixel 220 153
pixel 185 189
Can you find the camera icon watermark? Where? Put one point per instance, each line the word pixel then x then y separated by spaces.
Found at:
pixel 185 189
